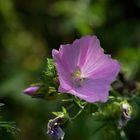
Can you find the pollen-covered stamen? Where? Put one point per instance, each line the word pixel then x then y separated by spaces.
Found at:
pixel 76 74
pixel 77 78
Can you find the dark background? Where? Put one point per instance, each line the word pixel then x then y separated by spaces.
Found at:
pixel 29 29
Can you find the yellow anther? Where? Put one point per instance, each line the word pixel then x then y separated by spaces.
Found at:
pixel 76 74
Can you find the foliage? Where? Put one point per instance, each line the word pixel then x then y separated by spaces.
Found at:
pixel 113 115
pixel 31 29
pixel 10 127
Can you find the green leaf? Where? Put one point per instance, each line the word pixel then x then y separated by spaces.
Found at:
pixel 11 128
pixel 62 114
pixel 50 70
pixel 49 82
pixel 58 114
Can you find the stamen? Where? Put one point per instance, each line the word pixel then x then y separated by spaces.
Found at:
pixel 76 74
pixel 77 79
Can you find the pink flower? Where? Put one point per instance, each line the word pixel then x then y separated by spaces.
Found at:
pixel 84 70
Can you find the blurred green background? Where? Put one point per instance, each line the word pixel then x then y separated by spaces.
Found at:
pixel 30 29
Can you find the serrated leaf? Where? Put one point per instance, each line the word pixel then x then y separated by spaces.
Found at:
pixel 51 69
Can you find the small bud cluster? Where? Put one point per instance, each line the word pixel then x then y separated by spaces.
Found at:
pixel 125 114
pixel 54 129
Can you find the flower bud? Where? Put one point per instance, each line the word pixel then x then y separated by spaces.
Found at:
pixel 54 129
pixel 126 112
pixel 31 90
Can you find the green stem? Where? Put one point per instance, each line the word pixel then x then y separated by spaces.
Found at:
pixel 78 105
pixel 79 112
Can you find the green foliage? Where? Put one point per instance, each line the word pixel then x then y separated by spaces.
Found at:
pixel 63 114
pixel 50 72
pixel 49 82
pixel 82 17
pixel 107 112
pixel 50 75
pixel 30 28
pixel 50 79
pixel 10 127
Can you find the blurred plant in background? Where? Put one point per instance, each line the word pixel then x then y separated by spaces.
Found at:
pixel 9 127
pixel 30 29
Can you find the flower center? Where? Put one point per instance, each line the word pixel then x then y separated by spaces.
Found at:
pixel 76 74
pixel 77 79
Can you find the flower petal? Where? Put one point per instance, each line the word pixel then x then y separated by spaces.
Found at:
pixel 105 67
pixel 80 51
pixel 64 76
pixel 92 90
pixel 94 53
